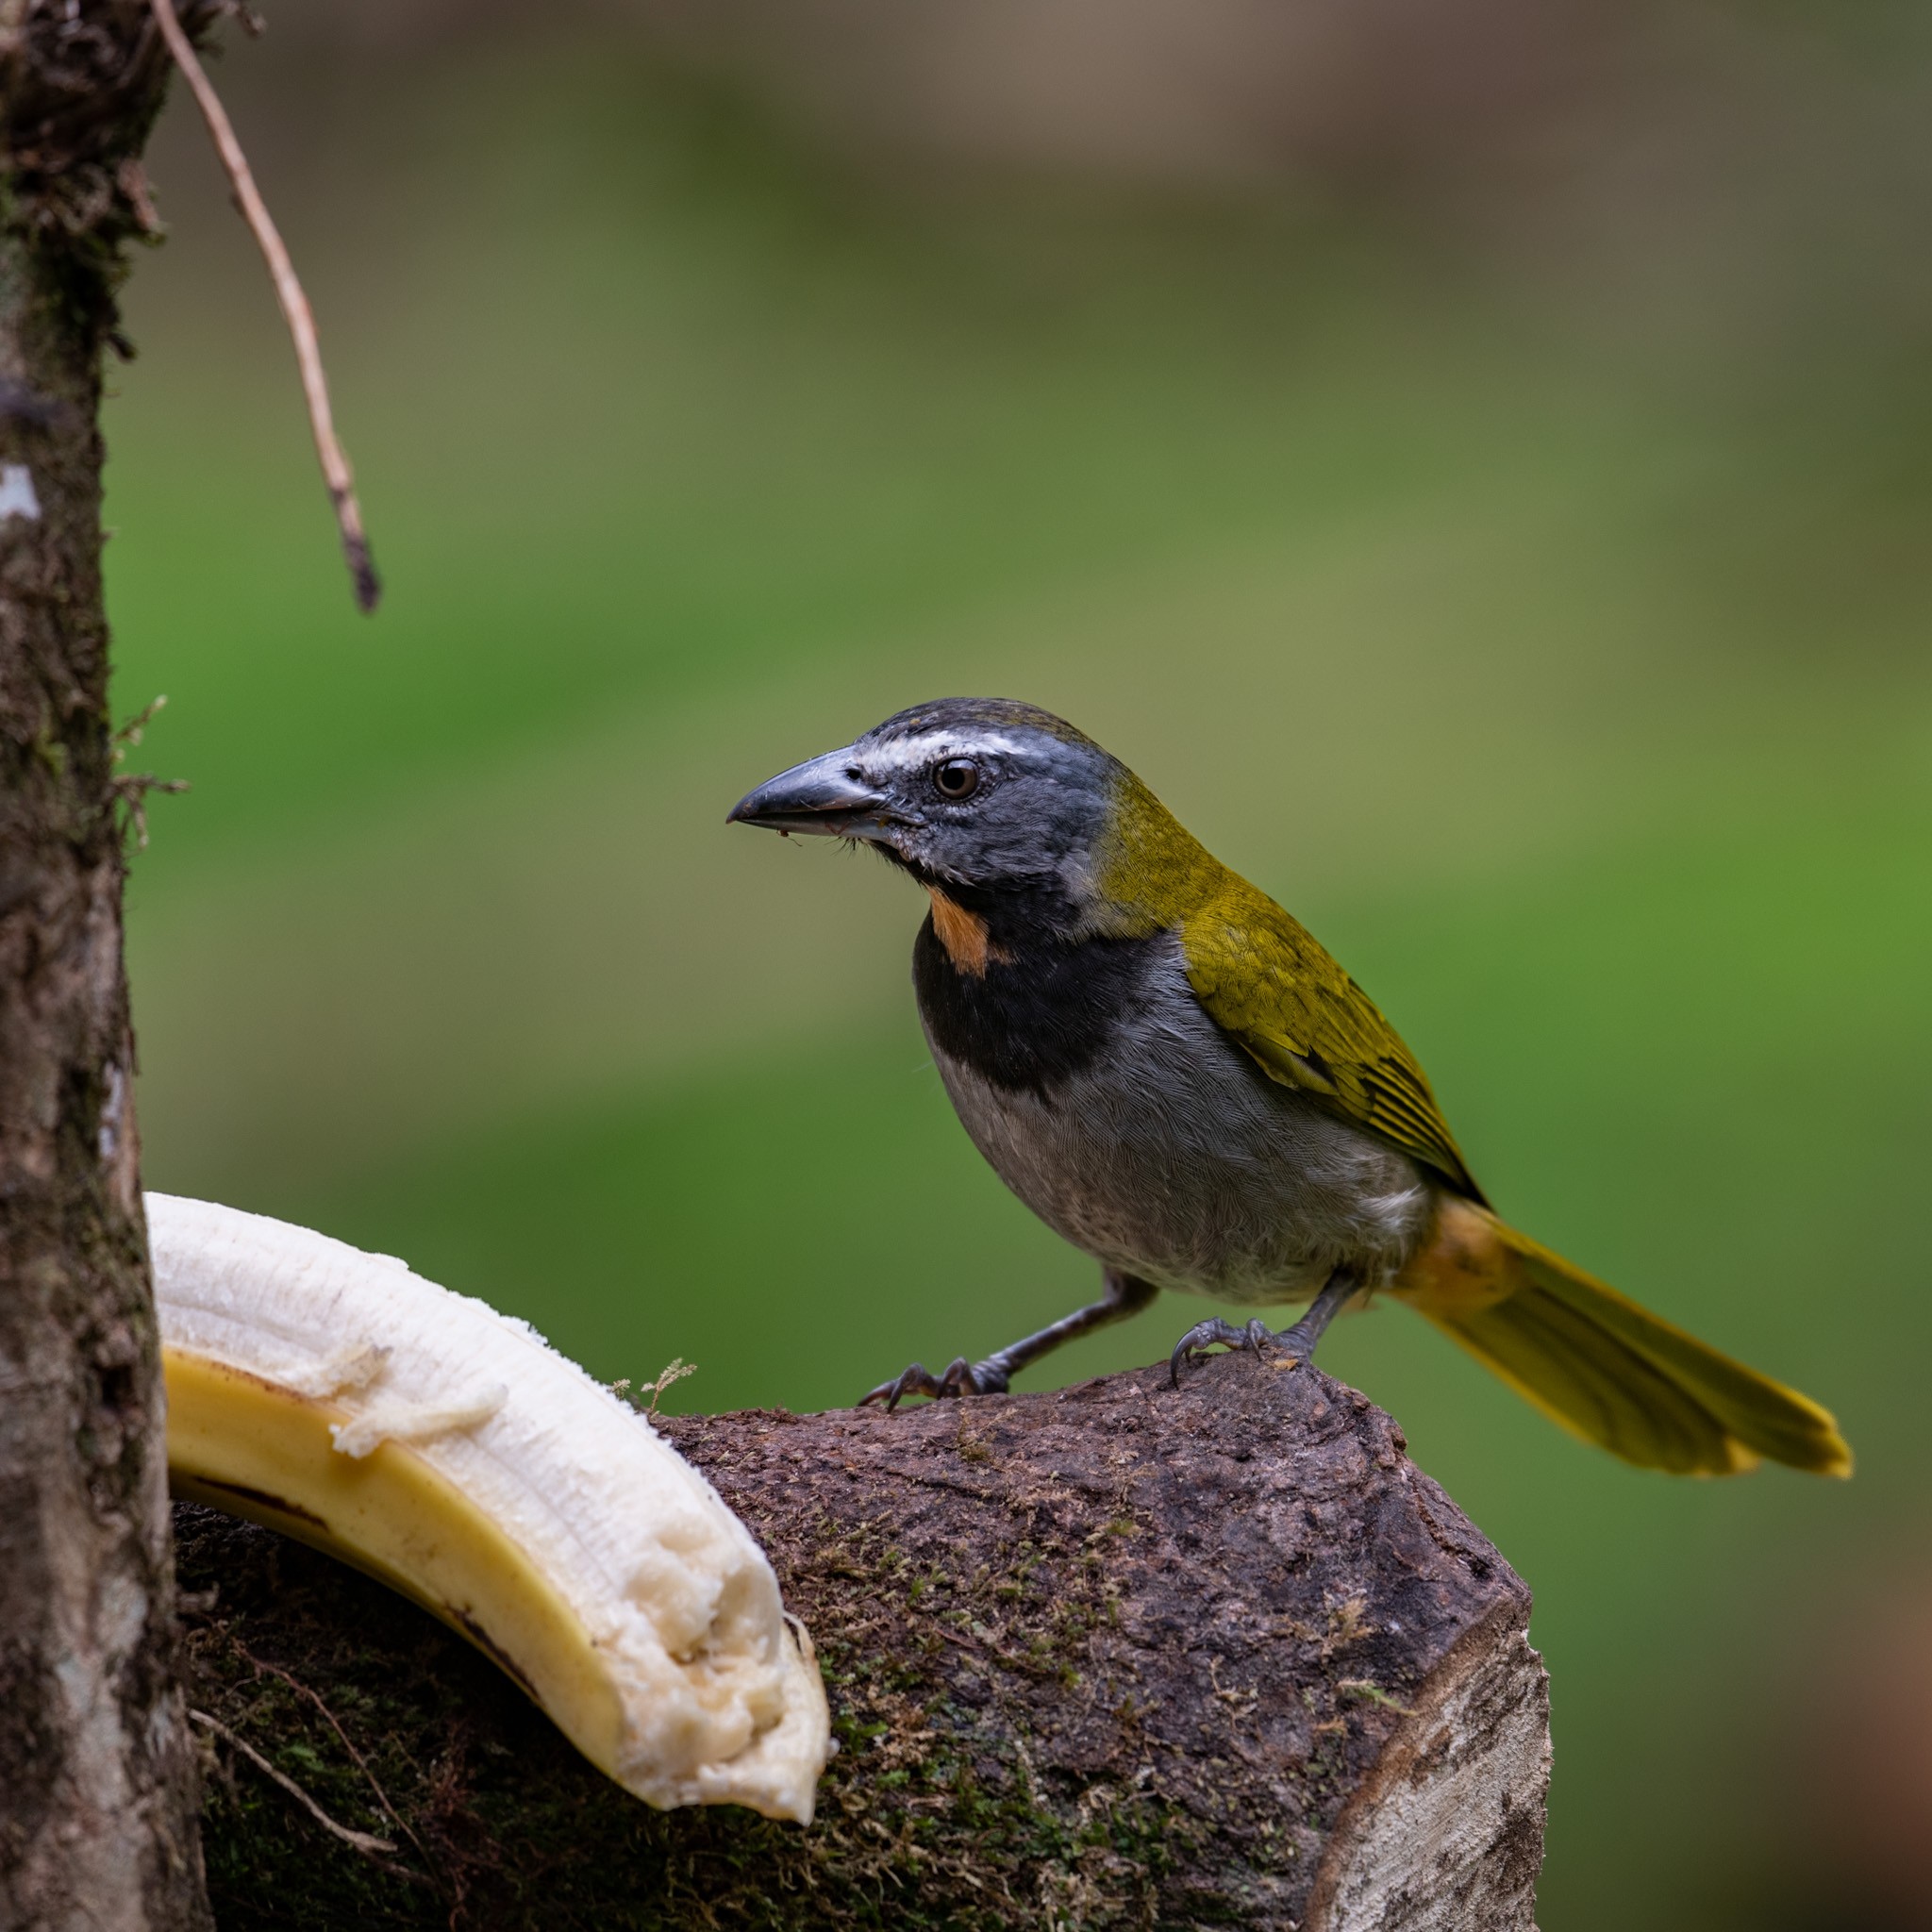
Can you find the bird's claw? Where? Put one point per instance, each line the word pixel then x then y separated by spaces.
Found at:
pixel 1204 1335
pixel 961 1378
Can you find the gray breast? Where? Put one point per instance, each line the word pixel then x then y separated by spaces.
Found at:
pixel 1172 1155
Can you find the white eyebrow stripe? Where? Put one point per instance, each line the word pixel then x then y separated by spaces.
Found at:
pixel 911 753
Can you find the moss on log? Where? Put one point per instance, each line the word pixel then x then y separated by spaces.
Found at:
pixel 1114 1656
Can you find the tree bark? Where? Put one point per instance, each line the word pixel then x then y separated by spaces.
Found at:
pixel 1118 1656
pixel 97 1791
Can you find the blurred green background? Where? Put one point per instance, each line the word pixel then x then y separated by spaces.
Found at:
pixel 1473 461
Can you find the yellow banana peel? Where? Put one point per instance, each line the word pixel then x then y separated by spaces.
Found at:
pixel 449 1451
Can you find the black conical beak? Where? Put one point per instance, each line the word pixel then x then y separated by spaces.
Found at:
pixel 827 796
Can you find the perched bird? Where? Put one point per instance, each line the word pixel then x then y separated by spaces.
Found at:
pixel 1173 1075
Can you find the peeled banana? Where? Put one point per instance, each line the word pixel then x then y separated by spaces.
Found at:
pixel 450 1452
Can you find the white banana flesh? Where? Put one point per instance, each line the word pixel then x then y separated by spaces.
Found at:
pixel 450 1452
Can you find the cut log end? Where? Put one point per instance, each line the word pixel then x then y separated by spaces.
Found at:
pixel 1118 1656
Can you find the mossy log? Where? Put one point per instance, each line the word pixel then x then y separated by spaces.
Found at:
pixel 1115 1656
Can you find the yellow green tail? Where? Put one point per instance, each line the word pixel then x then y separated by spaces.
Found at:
pixel 1608 1370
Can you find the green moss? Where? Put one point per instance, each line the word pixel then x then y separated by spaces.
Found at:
pixel 498 1823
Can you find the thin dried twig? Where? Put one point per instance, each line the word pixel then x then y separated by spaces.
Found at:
pixel 314 1697
pixel 363 1842
pixel 295 310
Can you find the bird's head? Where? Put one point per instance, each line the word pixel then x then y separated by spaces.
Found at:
pixel 987 801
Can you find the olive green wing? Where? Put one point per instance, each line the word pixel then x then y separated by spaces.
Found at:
pixel 1264 979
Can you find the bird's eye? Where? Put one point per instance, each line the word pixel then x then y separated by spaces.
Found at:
pixel 956 778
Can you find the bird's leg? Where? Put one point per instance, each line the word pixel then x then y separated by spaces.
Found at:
pixel 1297 1343
pixel 1125 1296
pixel 1122 1295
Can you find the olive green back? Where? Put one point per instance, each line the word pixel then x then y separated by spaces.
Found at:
pixel 1264 979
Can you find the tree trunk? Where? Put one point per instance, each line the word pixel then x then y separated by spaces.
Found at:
pixel 1119 1657
pixel 97 1793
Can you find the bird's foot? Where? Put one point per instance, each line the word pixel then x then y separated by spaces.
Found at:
pixel 1203 1336
pixel 961 1378
pixel 1295 1345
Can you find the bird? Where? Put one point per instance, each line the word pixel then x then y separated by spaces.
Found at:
pixel 1171 1072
